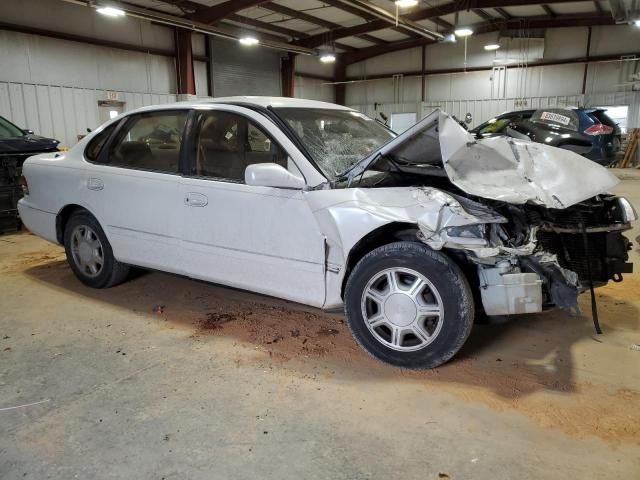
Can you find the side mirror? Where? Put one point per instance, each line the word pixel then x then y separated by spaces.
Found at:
pixel 272 175
pixel 27 131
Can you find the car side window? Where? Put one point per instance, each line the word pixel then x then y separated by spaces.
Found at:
pixel 149 141
pixel 227 143
pixel 92 152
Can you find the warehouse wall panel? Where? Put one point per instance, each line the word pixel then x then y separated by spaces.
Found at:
pixel 78 20
pixel 64 112
pixel 313 89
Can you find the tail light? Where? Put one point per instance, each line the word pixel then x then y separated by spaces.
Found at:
pixel 23 184
pixel 599 129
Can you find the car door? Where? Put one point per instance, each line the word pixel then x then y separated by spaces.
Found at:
pixel 262 239
pixel 133 188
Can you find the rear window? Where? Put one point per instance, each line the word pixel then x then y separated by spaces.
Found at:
pixel 559 117
pixel 602 117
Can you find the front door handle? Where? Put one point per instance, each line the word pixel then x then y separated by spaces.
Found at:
pixel 95 183
pixel 194 199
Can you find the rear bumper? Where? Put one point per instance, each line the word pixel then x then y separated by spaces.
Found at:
pixel 38 221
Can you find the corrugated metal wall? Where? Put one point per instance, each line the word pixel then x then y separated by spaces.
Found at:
pixel 63 112
pixel 313 89
pixel 238 70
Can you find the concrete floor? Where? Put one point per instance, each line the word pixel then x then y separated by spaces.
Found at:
pixel 221 384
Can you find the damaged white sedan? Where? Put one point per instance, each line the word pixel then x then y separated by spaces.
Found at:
pixel 316 203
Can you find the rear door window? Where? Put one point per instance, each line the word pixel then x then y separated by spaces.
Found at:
pixel 558 117
pixel 92 152
pixel 150 141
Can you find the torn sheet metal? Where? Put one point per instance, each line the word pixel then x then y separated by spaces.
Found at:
pixel 438 214
pixel 517 171
pixel 497 168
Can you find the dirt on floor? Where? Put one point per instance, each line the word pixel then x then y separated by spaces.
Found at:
pixel 550 367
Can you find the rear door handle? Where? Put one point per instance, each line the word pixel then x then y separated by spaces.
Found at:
pixel 194 199
pixel 95 184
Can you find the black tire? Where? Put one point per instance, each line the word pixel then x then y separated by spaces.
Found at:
pixel 111 272
pixel 452 288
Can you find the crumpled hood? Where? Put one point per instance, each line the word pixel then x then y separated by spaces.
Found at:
pixel 498 168
pixel 27 144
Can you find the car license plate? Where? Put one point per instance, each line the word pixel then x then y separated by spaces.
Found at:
pixel 555 117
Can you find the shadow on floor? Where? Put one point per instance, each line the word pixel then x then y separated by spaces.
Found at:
pixel 511 359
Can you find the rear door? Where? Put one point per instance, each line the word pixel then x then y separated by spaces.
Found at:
pixel 133 188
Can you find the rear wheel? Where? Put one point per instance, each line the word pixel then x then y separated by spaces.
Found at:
pixel 89 253
pixel 408 305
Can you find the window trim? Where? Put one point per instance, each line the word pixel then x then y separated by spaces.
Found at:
pixel 115 126
pixel 103 157
pixel 190 144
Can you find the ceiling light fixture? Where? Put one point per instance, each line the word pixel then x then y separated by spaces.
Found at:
pixel 492 46
pixel 406 3
pixel 463 32
pixel 110 11
pixel 327 57
pixel 636 23
pixel 248 41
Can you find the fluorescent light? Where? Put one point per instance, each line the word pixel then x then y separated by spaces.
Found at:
pixel 406 3
pixel 249 41
pixel 327 58
pixel 463 32
pixel 110 11
pixel 492 46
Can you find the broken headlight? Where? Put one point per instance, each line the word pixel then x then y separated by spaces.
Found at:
pixel 627 212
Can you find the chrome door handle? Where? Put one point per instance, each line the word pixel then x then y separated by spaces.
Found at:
pixel 194 199
pixel 95 184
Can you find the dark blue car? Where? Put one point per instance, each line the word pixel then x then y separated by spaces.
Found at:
pixel 589 132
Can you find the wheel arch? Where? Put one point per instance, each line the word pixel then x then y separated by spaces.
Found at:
pixel 63 218
pixel 382 235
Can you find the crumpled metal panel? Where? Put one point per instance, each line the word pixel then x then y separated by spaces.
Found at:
pixel 497 168
pixel 516 171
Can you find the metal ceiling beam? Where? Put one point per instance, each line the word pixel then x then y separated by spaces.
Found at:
pixel 503 13
pixel 416 15
pixel 216 13
pixel 277 29
pixel 394 20
pixel 193 25
pixel 290 12
pixel 521 23
pixel 346 7
pixel 482 13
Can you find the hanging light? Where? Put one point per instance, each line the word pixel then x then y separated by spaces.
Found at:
pixel 327 57
pixel 406 3
pixel 492 46
pixel 110 11
pixel 248 41
pixel 463 32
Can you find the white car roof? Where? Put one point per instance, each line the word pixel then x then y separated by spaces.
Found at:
pixel 276 102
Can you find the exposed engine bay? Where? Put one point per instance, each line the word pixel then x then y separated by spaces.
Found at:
pixel 532 224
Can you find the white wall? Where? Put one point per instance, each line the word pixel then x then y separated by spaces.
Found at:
pixel 536 85
pixel 313 89
pixel 52 86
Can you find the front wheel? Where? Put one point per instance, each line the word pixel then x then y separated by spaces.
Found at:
pixel 408 305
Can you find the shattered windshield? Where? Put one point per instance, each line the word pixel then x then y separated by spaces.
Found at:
pixel 335 139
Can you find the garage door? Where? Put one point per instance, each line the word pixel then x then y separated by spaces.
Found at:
pixel 239 70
